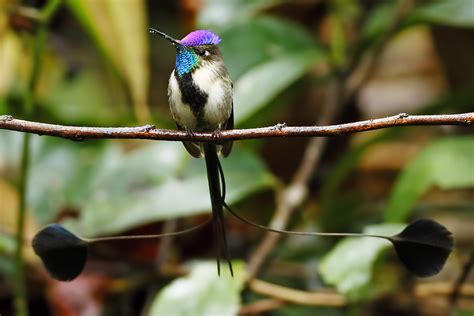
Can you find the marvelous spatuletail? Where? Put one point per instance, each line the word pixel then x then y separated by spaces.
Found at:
pixel 200 95
pixel 200 98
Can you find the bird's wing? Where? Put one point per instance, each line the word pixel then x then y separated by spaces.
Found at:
pixel 229 124
pixel 193 148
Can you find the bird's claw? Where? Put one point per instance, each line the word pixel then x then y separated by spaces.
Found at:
pixel 190 133
pixel 215 135
pixel 280 126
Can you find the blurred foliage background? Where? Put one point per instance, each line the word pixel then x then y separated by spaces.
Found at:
pixel 92 62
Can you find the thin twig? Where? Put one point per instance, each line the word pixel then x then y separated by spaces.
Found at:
pixel 261 306
pixel 286 294
pixel 280 130
pixel 466 269
pixel 431 289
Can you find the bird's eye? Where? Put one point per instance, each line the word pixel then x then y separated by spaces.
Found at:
pixel 203 52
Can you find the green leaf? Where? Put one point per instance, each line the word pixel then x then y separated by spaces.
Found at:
pixel 460 312
pixel 458 13
pixel 156 182
pixel 61 174
pixel 246 45
pixel 379 19
pixel 350 264
pixel 277 74
pixel 7 245
pixel 264 57
pixel 202 292
pixel 119 30
pixel 447 163
pixel 7 268
pixel 219 14
pixel 85 99
pixel 3 106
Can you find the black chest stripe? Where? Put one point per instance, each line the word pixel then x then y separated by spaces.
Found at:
pixel 191 94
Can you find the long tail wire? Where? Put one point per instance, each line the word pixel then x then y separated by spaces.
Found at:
pixel 281 231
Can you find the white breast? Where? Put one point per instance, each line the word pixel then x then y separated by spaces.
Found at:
pixel 205 77
pixel 181 112
pixel 219 103
pixel 219 90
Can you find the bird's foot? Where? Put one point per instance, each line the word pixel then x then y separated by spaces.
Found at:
pixel 216 136
pixel 190 133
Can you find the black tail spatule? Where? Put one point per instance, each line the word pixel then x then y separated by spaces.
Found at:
pixel 423 247
pixel 64 254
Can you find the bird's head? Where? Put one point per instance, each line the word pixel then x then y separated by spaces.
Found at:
pixel 195 50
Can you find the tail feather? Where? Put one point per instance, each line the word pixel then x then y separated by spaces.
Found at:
pixel 212 166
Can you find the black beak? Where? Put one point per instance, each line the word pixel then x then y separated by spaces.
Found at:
pixel 173 41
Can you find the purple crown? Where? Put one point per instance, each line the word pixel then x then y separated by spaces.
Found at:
pixel 200 37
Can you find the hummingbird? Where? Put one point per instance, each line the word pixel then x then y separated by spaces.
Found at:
pixel 200 100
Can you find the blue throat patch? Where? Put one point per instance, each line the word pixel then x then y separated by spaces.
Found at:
pixel 186 60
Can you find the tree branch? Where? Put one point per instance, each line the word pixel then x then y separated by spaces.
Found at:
pixel 280 130
pixel 283 293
